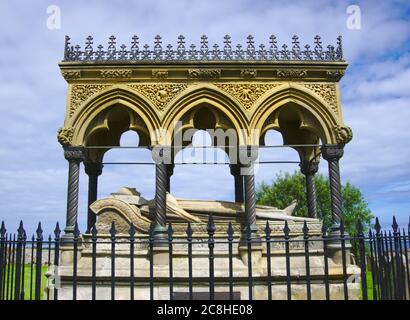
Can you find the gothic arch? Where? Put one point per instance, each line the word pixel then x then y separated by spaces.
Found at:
pixel 228 113
pixel 311 108
pixel 142 118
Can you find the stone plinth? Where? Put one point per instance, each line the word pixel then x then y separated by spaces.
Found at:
pixel 200 268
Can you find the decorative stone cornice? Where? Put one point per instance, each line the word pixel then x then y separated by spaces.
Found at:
pixel 291 73
pixel 334 75
pixel 159 94
pixel 247 93
pixel 204 74
pixel 159 73
pixel 65 136
pixel 71 75
pixel 115 73
pixel 75 153
pixel 343 134
pixel 248 73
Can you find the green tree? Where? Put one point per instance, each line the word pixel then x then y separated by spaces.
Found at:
pixel 287 187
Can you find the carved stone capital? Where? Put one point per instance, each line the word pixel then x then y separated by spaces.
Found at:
pixel 170 169
pixel 309 167
pixel 93 168
pixel 162 154
pixel 248 155
pixel 332 152
pixel 343 134
pixel 65 136
pixel 76 154
pixel 235 169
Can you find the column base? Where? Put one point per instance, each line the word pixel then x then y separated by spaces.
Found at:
pixel 334 246
pixel 67 239
pixel 254 238
pixel 160 234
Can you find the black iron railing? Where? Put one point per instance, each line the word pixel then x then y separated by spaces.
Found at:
pixel 204 52
pixel 290 265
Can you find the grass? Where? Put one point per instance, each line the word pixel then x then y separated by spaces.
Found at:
pixel 29 281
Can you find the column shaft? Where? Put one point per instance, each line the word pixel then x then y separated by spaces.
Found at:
pixel 309 169
pixel 72 193
pixel 93 170
pixel 160 195
pixel 74 156
pixel 250 198
pixel 332 153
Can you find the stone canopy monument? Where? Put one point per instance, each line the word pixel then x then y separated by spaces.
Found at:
pixel 161 92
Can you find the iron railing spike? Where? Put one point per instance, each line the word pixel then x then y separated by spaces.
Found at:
pixel 170 232
pixel 210 226
pixel 395 225
pixel 113 231
pixel 3 229
pixel 57 231
pixel 131 231
pixel 76 231
pixel 377 226
pixel 286 229
pixel 39 231
pixel 94 231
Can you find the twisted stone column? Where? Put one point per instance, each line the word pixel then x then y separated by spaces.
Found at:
pixel 236 172
pixel 332 153
pixel 93 170
pixel 309 169
pixel 247 157
pixel 160 154
pixel 250 198
pixel 74 156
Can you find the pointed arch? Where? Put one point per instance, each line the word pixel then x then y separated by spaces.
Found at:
pixel 215 99
pixel 137 106
pixel 297 95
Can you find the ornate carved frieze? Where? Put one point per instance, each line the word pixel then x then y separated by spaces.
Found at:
pixel 327 92
pixel 80 93
pixel 248 93
pixel 159 73
pixel 65 136
pixel 116 73
pixel 334 75
pixel 159 94
pixel 204 73
pixel 343 134
pixel 71 75
pixel 248 73
pixel 291 73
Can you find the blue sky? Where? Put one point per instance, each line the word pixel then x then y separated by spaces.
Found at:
pixel 375 95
